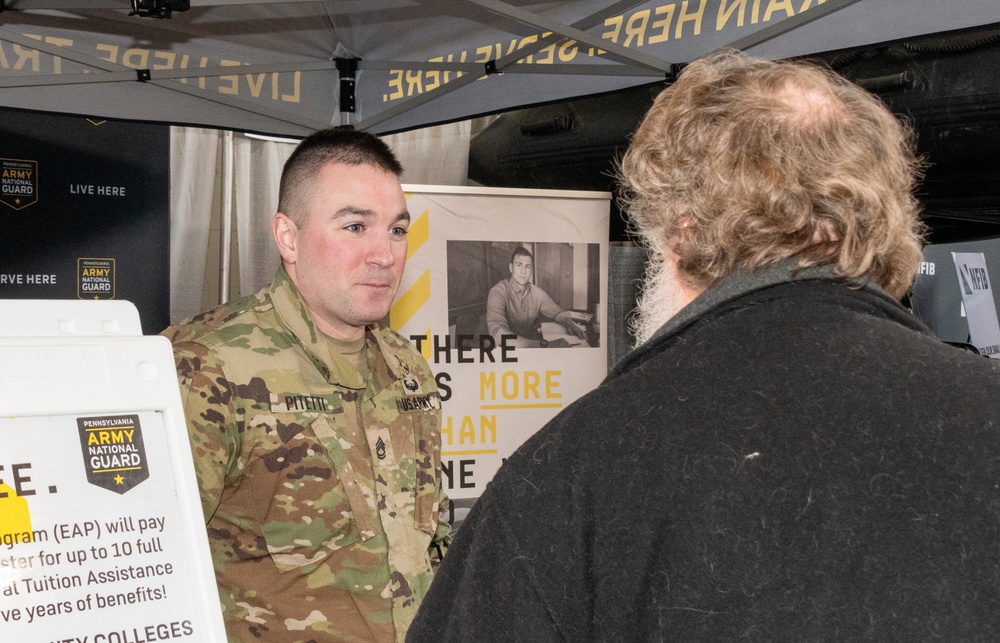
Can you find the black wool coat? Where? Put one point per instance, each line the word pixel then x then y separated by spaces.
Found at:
pixel 786 460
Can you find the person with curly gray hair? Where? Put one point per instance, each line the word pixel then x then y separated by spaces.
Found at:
pixel 788 454
pixel 747 163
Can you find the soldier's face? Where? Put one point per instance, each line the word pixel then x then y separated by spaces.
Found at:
pixel 348 257
pixel 520 269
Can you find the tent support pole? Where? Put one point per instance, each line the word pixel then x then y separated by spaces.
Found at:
pixel 225 254
pixel 612 50
pixel 788 24
pixel 347 69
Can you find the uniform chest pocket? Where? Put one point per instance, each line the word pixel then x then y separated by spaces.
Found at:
pixel 318 507
pixel 420 443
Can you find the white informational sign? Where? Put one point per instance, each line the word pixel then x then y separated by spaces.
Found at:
pixel 495 392
pixel 102 538
pixel 977 298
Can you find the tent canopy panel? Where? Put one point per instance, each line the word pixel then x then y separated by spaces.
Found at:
pixel 421 61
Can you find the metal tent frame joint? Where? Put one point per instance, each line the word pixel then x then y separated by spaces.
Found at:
pixel 158 8
pixel 347 68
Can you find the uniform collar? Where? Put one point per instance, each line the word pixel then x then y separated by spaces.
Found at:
pixel 291 309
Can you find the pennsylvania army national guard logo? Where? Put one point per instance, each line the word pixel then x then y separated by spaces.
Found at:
pixel 95 278
pixel 18 183
pixel 113 454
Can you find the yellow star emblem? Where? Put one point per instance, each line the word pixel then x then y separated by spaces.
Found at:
pixel 119 479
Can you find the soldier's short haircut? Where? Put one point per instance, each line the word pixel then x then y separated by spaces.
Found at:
pixel 334 145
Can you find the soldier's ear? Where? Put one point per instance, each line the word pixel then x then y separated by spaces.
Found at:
pixel 286 236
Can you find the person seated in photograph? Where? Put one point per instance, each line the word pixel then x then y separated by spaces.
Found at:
pixel 515 306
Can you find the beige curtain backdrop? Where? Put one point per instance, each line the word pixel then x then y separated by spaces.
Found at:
pixel 224 191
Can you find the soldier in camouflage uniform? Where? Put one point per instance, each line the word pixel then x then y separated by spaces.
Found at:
pixel 314 428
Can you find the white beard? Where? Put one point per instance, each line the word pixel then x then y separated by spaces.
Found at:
pixel 663 296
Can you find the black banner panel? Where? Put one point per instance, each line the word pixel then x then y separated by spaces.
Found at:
pixel 85 211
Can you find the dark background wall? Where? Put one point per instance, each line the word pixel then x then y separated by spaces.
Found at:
pixel 99 201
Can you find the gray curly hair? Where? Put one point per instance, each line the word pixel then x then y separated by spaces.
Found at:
pixel 744 162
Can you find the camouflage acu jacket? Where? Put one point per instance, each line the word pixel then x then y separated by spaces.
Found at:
pixel 321 492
